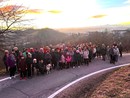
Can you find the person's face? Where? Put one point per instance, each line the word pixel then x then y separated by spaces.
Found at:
pixel 41 61
pixel 58 50
pixel 22 57
pixel 7 54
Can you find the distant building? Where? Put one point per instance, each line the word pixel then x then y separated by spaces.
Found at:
pixel 119 31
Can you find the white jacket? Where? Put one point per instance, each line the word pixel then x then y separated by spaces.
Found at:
pixel 85 54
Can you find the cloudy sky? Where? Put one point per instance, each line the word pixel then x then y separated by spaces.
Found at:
pixel 75 13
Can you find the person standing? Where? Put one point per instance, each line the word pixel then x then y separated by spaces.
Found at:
pixel 57 58
pixel 103 52
pixel 120 49
pixel 68 60
pixel 53 52
pixel 6 55
pixel 116 53
pixel 42 67
pixel 22 68
pixel 62 61
pixel 86 56
pixel 11 62
pixel 107 53
pixel 29 62
pixel 77 58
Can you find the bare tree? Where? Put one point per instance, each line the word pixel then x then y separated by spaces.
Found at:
pixel 10 16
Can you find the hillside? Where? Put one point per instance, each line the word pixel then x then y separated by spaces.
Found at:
pixel 32 37
pixel 109 84
pixel 116 85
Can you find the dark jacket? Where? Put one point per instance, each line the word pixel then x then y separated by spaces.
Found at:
pixel 77 56
pixel 11 61
pixel 5 58
pixel 103 50
pixel 57 56
pixel 48 57
pixel 29 61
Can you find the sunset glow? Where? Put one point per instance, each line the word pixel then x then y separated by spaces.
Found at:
pixel 74 13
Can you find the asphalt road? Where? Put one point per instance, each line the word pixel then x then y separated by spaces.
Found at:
pixel 44 85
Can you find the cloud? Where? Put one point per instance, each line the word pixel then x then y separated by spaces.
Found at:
pixel 20 9
pixel 34 11
pixel 98 16
pixel 54 11
pixel 127 2
pixel 10 7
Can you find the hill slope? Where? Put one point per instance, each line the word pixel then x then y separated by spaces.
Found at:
pixel 35 37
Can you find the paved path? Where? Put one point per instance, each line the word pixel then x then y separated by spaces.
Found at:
pixel 43 86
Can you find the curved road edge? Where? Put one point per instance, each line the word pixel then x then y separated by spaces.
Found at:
pixel 86 76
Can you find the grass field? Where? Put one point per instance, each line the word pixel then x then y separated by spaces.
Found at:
pixel 117 85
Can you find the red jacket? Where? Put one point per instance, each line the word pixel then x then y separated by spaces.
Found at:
pixel 22 65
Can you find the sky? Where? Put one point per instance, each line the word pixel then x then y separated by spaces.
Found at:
pixel 74 13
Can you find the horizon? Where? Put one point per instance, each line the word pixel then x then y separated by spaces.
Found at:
pixel 84 29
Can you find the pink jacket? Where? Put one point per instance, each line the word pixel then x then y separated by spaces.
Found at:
pixel 68 59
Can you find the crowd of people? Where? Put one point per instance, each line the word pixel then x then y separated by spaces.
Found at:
pixel 34 61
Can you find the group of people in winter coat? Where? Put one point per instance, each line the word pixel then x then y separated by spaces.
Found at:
pixel 30 61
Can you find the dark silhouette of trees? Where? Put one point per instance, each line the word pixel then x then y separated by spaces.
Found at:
pixel 109 38
pixel 104 37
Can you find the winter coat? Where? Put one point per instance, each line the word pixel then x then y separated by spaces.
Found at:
pixel 41 56
pixel 25 54
pixel 35 65
pixel 57 56
pixel 5 58
pixel 62 59
pixel 86 54
pixel 72 55
pixel 68 59
pixel 22 65
pixel 111 52
pixel 11 61
pixel 120 48
pixel 116 51
pixel 103 50
pixel 77 56
pixel 48 57
pixel 29 61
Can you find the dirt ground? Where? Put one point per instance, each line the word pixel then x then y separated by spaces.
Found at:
pixel 117 85
pixel 111 84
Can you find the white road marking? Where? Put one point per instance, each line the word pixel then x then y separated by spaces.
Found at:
pixel 86 76
pixel 7 78
pixel 4 79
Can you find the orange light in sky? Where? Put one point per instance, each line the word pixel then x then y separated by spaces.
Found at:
pixel 71 13
pixel 98 16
